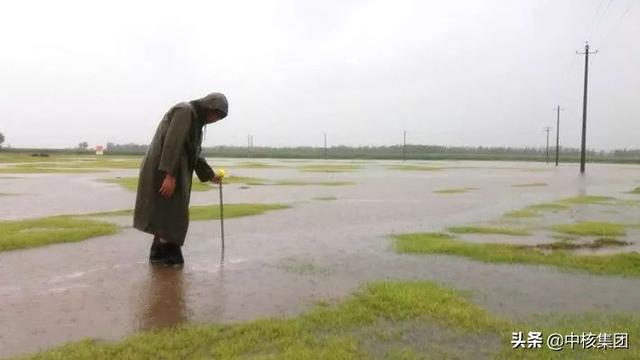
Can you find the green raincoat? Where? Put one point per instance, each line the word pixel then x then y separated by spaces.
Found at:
pixel 175 150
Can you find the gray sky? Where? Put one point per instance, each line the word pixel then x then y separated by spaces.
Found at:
pixel 449 72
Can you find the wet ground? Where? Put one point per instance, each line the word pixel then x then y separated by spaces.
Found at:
pixel 281 262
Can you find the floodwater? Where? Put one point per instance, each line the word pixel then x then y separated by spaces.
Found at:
pixel 281 262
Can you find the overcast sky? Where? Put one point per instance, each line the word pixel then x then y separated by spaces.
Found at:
pixel 449 72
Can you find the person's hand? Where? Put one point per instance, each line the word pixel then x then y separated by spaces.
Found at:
pixel 168 186
pixel 218 174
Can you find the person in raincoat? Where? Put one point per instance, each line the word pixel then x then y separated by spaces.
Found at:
pixel 164 185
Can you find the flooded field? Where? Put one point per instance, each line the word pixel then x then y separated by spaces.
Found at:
pixel 335 235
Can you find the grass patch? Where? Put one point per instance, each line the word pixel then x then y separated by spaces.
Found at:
pixel 381 320
pixel 454 190
pixel 535 184
pixel 331 168
pixel 551 207
pixel 21 234
pixel 208 212
pixel 67 164
pixel 536 210
pixel 522 213
pixel 587 200
pixel 325 332
pixel 591 228
pixel 415 167
pixel 325 198
pixel 627 264
pixel 492 230
pixel 597 244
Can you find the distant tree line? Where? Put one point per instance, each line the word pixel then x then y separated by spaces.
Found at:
pixel 417 152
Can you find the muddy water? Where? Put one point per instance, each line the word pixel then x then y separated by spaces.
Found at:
pixel 281 262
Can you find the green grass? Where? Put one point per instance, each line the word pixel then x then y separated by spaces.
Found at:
pixel 208 212
pixel 591 228
pixel 131 183
pixel 626 264
pixel 535 184
pixel 551 207
pixel 635 191
pixel 596 244
pixel 66 164
pixel 415 167
pixel 587 200
pixel 536 210
pixel 20 234
pixel 492 230
pixel 522 213
pixel 381 320
pixel 454 190
pixel 331 168
pixel 325 332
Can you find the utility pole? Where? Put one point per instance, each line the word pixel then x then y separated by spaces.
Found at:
pixel 583 150
pixel 404 147
pixel 558 135
pixel 248 146
pixel 547 128
pixel 325 146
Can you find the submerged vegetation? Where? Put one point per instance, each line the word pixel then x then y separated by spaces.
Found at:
pixel 208 212
pixel 627 264
pixel 493 230
pixel 395 320
pixel 591 228
pixel 20 234
pixel 454 190
pixel 131 183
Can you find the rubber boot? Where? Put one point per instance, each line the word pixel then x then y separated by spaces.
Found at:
pixel 158 251
pixel 173 255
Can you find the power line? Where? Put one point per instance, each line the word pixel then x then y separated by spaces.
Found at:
pixel 615 27
pixel 593 21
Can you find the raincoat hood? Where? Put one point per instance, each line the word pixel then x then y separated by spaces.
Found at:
pixel 213 101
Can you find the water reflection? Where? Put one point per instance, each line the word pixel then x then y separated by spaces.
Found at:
pixel 162 301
